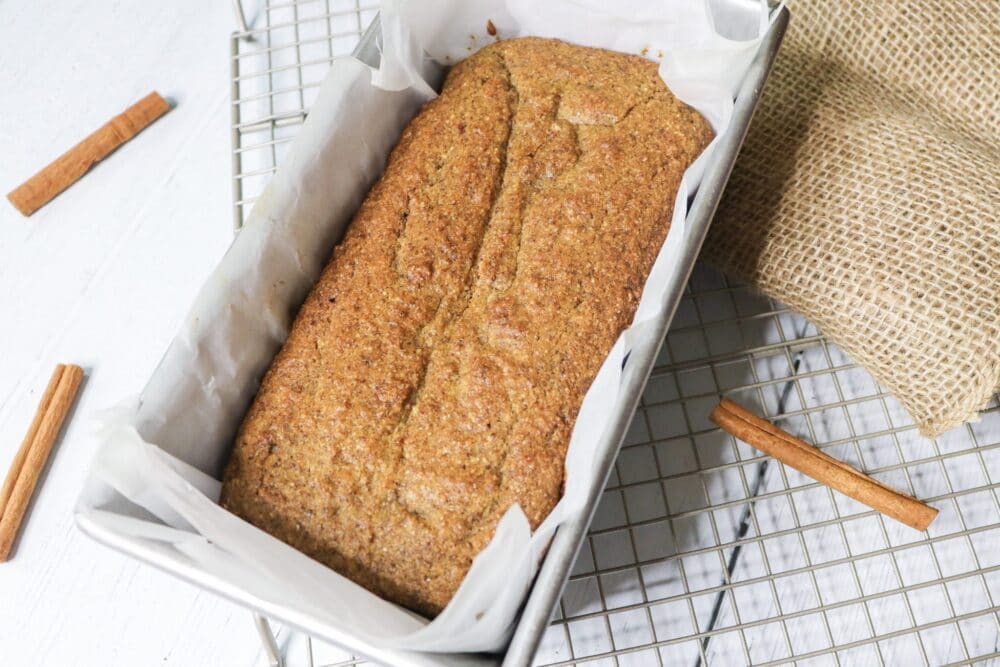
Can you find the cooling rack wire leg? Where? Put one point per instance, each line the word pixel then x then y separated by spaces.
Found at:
pixel 266 636
pixel 241 19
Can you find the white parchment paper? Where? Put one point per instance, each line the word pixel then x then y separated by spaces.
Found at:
pixel 155 479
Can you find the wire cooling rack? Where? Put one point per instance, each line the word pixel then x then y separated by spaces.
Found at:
pixel 702 551
pixel 276 72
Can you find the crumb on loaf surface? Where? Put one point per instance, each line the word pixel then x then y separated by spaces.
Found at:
pixel 434 373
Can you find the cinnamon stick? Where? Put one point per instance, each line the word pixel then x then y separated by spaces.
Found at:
pixel 41 188
pixel 15 466
pixel 825 469
pixel 42 433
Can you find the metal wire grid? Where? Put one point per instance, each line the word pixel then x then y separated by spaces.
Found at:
pixel 276 72
pixel 702 552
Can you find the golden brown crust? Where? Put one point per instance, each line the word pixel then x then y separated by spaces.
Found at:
pixel 434 373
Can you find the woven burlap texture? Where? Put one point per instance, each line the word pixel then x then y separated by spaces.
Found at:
pixel 867 194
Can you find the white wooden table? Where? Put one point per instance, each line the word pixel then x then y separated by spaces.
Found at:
pixel 101 277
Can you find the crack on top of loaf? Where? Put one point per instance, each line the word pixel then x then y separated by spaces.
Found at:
pixel 463 301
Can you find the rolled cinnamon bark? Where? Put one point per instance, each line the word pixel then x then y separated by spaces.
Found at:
pixel 797 454
pixel 43 433
pixel 58 175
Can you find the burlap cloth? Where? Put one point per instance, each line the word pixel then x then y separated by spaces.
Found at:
pixel 867 195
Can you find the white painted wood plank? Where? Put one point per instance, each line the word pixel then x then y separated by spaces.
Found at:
pixel 101 277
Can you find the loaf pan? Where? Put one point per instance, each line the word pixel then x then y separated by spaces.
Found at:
pixel 552 577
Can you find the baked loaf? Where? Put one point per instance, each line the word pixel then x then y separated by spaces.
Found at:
pixel 434 373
